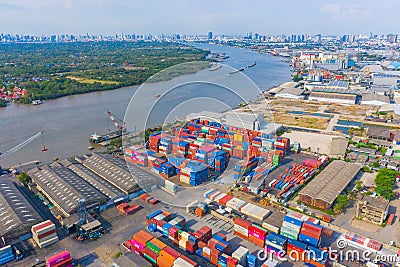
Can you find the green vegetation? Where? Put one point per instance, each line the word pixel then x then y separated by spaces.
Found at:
pixel 342 202
pixel 359 185
pixel 23 178
pixel 367 145
pixel 375 165
pixel 118 254
pixel 366 169
pixel 3 103
pixel 382 149
pixel 297 78
pixel 385 183
pixel 50 70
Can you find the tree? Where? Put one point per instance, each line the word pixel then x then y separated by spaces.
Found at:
pixel 385 181
pixel 118 254
pixel 359 185
pixel 342 202
pixel 23 178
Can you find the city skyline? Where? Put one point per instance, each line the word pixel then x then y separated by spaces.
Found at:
pixel 221 17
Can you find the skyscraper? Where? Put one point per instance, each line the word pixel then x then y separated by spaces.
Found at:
pixel 210 36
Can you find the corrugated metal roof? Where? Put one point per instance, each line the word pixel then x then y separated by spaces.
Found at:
pixel 16 213
pixel 328 185
pixel 65 187
pixel 112 169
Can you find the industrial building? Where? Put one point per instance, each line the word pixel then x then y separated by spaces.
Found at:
pixel 100 184
pixel 16 214
pixel 290 90
pixel 113 170
pixel 63 188
pixel 372 209
pixel 384 79
pixel 380 133
pixel 323 190
pixel 247 120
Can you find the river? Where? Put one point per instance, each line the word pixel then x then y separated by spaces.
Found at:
pixel 68 121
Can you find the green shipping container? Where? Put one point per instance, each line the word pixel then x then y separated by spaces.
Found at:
pixel 149 258
pixel 153 247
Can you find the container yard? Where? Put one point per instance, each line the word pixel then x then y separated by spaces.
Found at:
pixel 190 155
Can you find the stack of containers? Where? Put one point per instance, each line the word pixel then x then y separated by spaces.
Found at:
pixel 241 255
pixel 363 241
pixel 167 257
pixel 255 211
pixel 6 254
pixel 270 227
pixel 252 260
pixel 167 170
pixel 139 241
pixel 275 243
pixel 44 233
pixel 132 209
pixel 195 173
pixel 165 146
pixel 193 147
pixel 183 261
pixel 243 167
pixel 136 154
pixel 204 234
pixel 236 204
pixel 241 228
pixel 183 147
pixel 291 227
pixel 257 235
pixel 296 250
pixel 122 207
pixel 61 258
pixel 154 141
pixel 282 144
pixel 204 152
pixel 218 242
pixel 311 234
pixel 316 257
pixel 170 187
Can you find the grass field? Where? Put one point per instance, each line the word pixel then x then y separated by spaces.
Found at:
pixel 91 81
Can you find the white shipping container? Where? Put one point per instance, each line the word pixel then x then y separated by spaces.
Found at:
pixel 179 262
pixel 241 254
pixel 220 196
pixel 241 230
pixel 48 242
pixel 184 179
pixel 291 226
pixel 270 227
pixel 182 244
pixel 207 251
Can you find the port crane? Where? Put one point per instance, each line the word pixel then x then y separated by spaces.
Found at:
pixel 120 126
pixel 23 144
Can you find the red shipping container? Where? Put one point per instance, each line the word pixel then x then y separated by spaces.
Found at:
pixel 257 231
pixel 150 253
pixel 194 264
pixel 313 228
pixel 214 256
pixel 245 224
pixel 225 200
pixel 191 247
pixel 310 233
pixel 51 232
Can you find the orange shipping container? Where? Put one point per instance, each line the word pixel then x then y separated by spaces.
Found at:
pixel 142 237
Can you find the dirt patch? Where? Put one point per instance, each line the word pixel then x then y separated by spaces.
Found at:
pixel 365 226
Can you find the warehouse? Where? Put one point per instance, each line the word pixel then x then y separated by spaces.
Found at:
pixel 323 190
pixel 100 184
pixel 16 214
pixel 333 97
pixel 372 209
pixel 380 133
pixel 113 170
pixel 63 188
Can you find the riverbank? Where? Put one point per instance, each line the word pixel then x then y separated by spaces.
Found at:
pixel 49 71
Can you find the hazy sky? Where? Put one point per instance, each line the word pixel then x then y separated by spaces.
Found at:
pixel 199 17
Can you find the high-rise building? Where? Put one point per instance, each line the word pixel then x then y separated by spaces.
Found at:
pixel 210 35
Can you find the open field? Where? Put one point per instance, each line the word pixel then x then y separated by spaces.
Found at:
pixel 91 81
